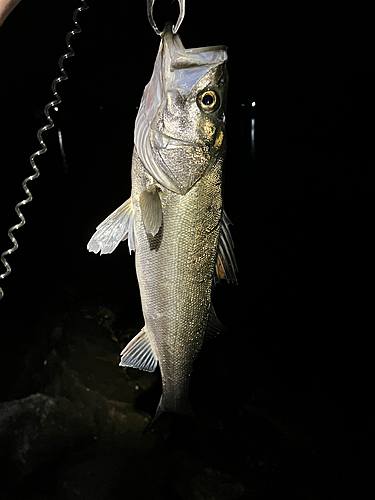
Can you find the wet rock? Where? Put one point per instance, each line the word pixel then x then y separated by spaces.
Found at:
pixel 39 429
pixel 88 372
pixel 81 435
pixel 189 478
pixel 211 484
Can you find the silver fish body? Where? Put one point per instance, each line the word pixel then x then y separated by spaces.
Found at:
pixel 174 219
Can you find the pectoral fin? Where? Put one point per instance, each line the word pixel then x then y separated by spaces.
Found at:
pixel 152 214
pixel 117 227
pixel 139 354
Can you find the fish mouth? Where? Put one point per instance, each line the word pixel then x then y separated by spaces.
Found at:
pixel 181 58
pixel 182 68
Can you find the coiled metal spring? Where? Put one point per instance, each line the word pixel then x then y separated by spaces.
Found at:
pixel 41 151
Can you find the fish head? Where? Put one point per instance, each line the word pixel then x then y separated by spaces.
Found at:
pixel 180 126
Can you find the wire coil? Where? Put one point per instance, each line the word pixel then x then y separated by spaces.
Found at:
pixel 41 151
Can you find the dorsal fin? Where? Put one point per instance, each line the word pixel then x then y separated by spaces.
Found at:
pixel 226 265
pixel 117 227
pixel 214 325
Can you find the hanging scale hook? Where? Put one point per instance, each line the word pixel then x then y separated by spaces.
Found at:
pixel 150 15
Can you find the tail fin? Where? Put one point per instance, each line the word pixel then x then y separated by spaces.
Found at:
pixel 175 413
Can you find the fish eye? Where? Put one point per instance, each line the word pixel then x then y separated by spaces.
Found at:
pixel 208 101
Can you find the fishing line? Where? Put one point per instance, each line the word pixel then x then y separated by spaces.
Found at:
pixel 41 151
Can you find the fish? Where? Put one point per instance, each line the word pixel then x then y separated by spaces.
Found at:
pixel 174 220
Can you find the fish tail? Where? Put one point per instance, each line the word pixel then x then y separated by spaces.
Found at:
pixel 166 410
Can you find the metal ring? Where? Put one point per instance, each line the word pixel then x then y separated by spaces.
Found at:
pixel 150 6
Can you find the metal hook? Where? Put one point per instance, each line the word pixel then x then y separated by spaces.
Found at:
pixel 150 6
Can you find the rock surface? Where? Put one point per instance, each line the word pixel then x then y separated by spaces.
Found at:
pixel 81 435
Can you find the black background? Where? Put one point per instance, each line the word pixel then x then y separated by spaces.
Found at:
pixel 299 205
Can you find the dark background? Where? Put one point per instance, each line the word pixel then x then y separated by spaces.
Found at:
pixel 299 205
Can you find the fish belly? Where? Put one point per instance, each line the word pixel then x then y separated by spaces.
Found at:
pixel 175 272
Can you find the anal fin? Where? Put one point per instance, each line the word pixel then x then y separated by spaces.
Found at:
pixel 139 354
